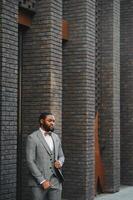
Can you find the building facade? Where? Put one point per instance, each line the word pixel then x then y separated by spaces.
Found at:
pixel 75 76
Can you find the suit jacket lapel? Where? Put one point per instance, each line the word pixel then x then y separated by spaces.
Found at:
pixel 43 141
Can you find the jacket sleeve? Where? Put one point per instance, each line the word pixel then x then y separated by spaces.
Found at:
pixel 61 157
pixel 31 157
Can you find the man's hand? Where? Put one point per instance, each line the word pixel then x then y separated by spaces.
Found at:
pixel 57 164
pixel 46 185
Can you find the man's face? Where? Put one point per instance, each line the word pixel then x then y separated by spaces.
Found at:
pixel 49 123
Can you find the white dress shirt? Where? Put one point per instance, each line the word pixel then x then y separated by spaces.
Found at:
pixel 48 139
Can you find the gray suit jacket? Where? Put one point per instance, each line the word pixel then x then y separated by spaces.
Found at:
pixel 38 156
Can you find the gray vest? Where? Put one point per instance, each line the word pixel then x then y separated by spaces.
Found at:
pixel 52 159
pixel 54 178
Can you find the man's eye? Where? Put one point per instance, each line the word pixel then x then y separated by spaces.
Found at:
pixel 51 121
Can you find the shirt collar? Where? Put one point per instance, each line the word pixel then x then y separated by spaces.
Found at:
pixel 44 132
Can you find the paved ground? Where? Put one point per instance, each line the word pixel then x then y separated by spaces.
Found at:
pixel 125 193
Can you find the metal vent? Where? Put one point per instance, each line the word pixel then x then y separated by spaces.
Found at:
pixel 28 4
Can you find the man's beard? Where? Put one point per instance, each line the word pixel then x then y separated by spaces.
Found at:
pixel 47 128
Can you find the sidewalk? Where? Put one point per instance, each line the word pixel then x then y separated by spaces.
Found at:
pixel 125 193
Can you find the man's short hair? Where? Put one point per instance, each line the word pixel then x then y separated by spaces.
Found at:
pixel 44 115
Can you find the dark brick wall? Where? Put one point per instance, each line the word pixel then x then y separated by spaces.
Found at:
pixel 8 98
pixel 41 73
pixel 126 92
pixel 42 90
pixel 79 99
pixel 98 57
pixel 110 94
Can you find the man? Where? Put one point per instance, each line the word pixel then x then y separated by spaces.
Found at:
pixel 45 159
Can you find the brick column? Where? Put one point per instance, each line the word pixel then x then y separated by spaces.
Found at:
pixel 8 98
pixel 79 100
pixel 126 92
pixel 42 72
pixel 110 94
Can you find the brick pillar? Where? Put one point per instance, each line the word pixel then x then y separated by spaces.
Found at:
pixel 8 98
pixel 126 92
pixel 110 94
pixel 79 100
pixel 42 72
